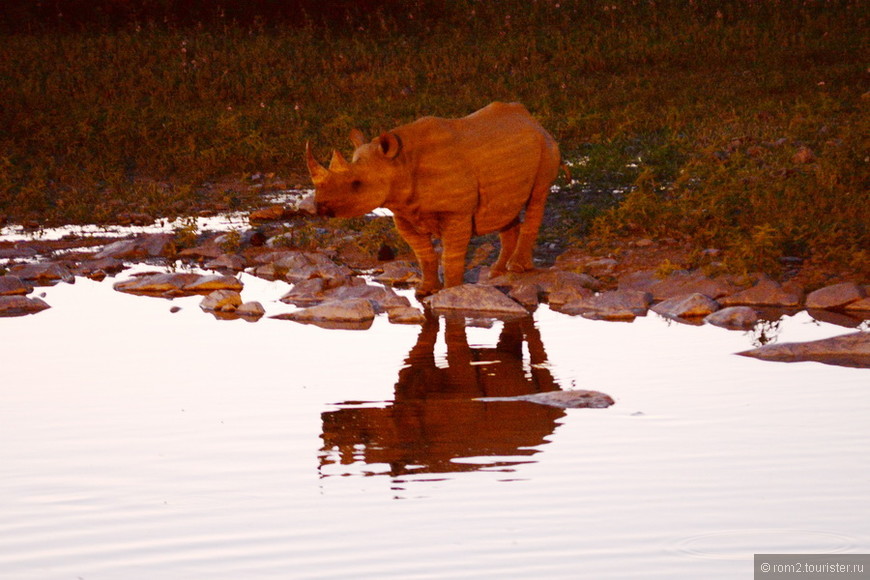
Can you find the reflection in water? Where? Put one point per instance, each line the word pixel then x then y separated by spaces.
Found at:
pixel 433 422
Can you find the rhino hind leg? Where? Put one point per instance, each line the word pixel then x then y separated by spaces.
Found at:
pixel 521 259
pixel 508 239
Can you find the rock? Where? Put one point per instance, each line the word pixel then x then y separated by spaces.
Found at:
pixel 354 311
pixel 17 305
pixel 691 306
pixel 227 262
pixel 733 318
pixel 216 282
pixel 399 273
pixel 526 295
pixel 178 284
pixel 475 298
pixel 640 280
pixel 851 350
pixel 561 296
pixel 99 267
pixel 683 283
pixel 208 250
pixel 222 300
pixel 12 285
pixel 266 214
pixel 579 399
pixel 579 261
pixel 17 252
pixel 44 273
pixel 145 246
pixel 406 315
pixel 835 297
pixel 251 310
pixel 862 305
pixel 351 254
pixel 611 305
pixel 765 292
pixel 306 292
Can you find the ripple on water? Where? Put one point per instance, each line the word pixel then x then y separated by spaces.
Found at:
pixel 738 543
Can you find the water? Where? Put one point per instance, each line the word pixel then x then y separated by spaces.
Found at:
pixel 140 443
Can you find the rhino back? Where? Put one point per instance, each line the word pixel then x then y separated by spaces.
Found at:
pixel 485 163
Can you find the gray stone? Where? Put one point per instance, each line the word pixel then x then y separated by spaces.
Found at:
pixel 222 300
pixel 475 298
pixel 765 292
pixel 251 310
pixel 399 273
pixel 12 285
pixel 17 305
pixel 177 284
pixel 733 317
pixel 851 350
pixel 547 280
pixel 612 305
pixel 355 311
pixel 227 262
pixel 691 306
pixel 43 273
pixel 579 399
pixel 406 315
pixel 682 283
pixel 835 297
pixel 145 246
pixel 561 296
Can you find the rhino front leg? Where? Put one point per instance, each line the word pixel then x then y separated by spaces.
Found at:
pixel 455 235
pixel 423 249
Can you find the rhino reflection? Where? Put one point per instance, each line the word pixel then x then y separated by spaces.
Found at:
pixel 434 420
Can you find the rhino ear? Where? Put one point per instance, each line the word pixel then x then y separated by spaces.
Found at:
pixel 391 145
pixel 318 171
pixel 357 138
pixel 338 163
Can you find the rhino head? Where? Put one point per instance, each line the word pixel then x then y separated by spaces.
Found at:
pixel 351 189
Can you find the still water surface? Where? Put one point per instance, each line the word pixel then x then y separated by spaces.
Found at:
pixel 139 443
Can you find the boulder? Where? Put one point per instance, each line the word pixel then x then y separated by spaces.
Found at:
pixel 611 305
pixel 176 284
pixel 851 350
pixel 835 297
pixel 862 305
pixel 475 298
pixel 546 280
pixel 733 318
pixel 357 311
pixel 99 267
pixel 145 246
pixel 765 292
pixel 526 295
pixel 17 305
pixel 691 306
pixel 682 283
pixel 578 399
pixel 399 273
pixel 579 261
pixel 12 285
pixel 222 300
pixel 561 296
pixel 251 310
pixel 406 315
pixel 227 262
pixel 44 273
pixel 639 280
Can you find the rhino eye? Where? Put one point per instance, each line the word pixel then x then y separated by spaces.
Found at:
pixel 355 184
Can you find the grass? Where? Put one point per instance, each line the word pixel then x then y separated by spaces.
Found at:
pixel 681 120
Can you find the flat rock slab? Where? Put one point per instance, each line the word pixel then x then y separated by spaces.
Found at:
pixel 44 273
pixel 611 305
pixel 766 292
pixel 475 298
pixel 356 313
pixel 146 246
pixel 21 305
pixel 579 399
pixel 172 285
pixel 849 350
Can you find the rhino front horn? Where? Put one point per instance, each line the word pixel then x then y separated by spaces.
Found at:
pixel 318 172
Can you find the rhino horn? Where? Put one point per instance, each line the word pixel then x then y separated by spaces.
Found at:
pixel 338 163
pixel 318 171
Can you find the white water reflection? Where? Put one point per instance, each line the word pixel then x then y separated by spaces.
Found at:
pixel 140 443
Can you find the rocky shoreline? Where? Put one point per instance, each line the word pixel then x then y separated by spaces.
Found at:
pixel 344 286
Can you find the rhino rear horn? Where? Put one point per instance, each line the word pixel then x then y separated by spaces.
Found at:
pixel 318 172
pixel 357 138
pixel 391 145
pixel 338 163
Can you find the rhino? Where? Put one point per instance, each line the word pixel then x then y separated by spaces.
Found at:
pixel 449 179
